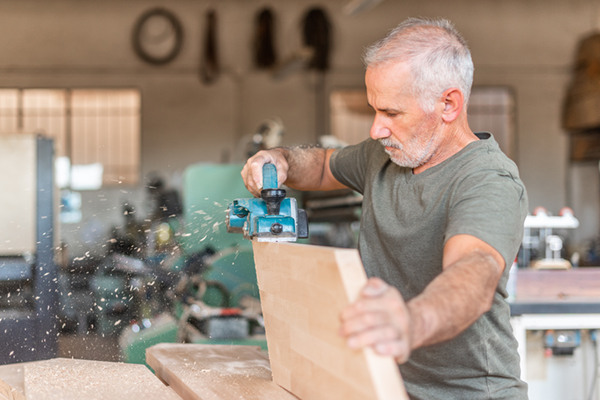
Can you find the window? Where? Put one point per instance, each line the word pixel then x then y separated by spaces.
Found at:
pixel 351 115
pixel 88 126
pixel 492 109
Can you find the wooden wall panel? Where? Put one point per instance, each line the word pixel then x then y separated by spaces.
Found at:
pixel 303 289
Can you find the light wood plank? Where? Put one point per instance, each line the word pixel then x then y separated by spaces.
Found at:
pixel 13 375
pixel 578 284
pixel 68 379
pixel 215 372
pixel 303 290
pixel 9 393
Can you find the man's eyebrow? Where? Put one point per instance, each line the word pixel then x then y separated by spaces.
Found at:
pixel 387 110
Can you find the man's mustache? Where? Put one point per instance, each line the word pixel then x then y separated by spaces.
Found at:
pixel 387 142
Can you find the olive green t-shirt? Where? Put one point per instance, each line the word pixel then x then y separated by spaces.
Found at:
pixel 407 219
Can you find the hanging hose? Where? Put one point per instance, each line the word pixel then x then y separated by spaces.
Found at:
pixel 317 36
pixel 264 56
pixel 596 372
pixel 209 69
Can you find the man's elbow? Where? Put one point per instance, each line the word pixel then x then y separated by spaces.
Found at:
pixel 493 270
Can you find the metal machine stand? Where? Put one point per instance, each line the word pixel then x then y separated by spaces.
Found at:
pixel 32 335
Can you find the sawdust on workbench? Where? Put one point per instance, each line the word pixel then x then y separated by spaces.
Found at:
pixel 217 371
pixel 67 379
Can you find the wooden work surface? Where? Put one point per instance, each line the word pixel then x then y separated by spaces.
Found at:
pixel 7 392
pixel 578 284
pixel 13 374
pixel 69 379
pixel 303 290
pixel 215 372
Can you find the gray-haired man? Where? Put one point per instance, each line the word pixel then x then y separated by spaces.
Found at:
pixel 442 220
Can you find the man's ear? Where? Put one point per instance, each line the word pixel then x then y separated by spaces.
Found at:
pixel 453 100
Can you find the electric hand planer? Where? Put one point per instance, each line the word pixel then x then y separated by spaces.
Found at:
pixel 271 218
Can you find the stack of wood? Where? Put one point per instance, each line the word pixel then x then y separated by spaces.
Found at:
pixel 582 106
pixel 581 115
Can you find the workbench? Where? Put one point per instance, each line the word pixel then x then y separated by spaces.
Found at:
pixel 554 300
pixel 183 371
pixel 307 356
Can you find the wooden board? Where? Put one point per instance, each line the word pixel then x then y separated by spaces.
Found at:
pixel 13 374
pixel 215 372
pixel 9 393
pixel 585 146
pixel 68 379
pixel 303 290
pixel 577 284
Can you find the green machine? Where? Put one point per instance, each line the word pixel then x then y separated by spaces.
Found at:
pixel 217 294
pixel 208 189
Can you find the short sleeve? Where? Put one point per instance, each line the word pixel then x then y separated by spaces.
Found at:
pixel 349 165
pixel 490 205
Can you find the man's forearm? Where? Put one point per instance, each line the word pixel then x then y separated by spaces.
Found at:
pixel 454 300
pixel 306 166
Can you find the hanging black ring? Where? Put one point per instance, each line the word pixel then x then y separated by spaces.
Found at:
pixel 137 39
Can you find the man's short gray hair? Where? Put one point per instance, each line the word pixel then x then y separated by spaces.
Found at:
pixel 438 56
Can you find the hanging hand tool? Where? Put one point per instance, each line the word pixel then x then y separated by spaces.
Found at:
pixel 272 218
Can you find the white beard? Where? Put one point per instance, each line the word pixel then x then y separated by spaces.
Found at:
pixel 412 154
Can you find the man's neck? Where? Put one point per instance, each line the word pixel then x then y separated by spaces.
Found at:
pixel 453 138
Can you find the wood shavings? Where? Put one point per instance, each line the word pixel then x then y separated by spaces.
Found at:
pixel 67 379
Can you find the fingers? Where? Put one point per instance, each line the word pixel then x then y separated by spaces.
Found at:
pixel 376 295
pixel 256 175
pixel 252 171
pixel 374 287
pixel 373 337
pixel 399 349
pixel 378 319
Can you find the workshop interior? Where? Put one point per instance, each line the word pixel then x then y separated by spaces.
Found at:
pixel 124 127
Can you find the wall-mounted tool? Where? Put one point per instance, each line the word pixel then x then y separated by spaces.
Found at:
pixel 265 56
pixel 209 64
pixel 271 218
pixel 157 36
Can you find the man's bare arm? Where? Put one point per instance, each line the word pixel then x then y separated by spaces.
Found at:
pixel 451 303
pixel 302 168
pixel 458 296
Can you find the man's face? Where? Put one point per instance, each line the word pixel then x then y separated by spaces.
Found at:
pixel 407 132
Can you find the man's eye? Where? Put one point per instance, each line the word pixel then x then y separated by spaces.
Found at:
pixel 391 115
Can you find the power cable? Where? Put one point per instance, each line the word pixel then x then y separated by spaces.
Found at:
pixel 595 376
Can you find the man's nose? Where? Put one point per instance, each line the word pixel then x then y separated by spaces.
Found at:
pixel 378 130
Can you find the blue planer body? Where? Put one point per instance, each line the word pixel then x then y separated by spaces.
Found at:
pixel 271 218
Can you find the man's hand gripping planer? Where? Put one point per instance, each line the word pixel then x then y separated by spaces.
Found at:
pixel 272 218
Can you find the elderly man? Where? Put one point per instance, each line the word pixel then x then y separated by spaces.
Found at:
pixel 442 219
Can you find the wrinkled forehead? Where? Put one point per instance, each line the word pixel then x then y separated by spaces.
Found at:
pixel 395 75
pixel 389 86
